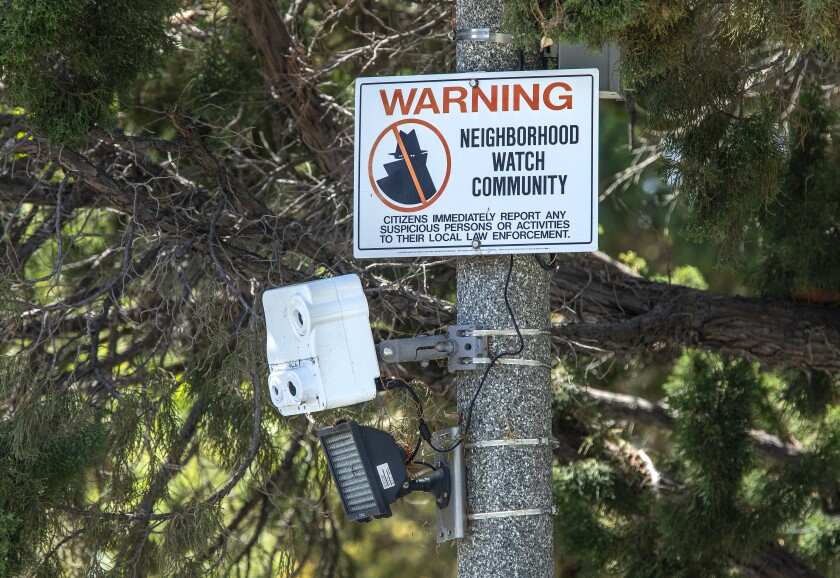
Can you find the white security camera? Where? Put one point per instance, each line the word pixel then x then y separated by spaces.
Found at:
pixel 320 348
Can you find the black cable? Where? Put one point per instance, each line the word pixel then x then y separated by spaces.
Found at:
pixel 427 464
pixel 416 449
pixel 424 429
pixel 544 265
pixel 500 354
pixel 394 383
pixel 493 361
pixel 425 434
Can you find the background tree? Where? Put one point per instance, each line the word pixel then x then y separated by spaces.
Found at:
pixel 165 162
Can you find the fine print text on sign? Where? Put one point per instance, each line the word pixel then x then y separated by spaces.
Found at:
pixel 476 163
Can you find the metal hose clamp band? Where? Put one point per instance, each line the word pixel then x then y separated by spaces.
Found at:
pixel 483 35
pixel 512 513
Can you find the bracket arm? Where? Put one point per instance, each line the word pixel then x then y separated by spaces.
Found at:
pixel 460 346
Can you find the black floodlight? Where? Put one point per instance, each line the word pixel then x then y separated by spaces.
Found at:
pixel 368 468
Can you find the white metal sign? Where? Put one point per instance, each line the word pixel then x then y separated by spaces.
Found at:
pixel 476 163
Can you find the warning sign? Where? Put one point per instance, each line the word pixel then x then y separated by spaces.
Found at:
pixel 477 163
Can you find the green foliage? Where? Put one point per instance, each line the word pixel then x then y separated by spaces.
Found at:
pixel 725 169
pixel 634 262
pixel 45 449
pixel 230 409
pixel 10 544
pixel 603 503
pixel 11 306
pixel 185 538
pixel 821 541
pixel 685 275
pixel 797 261
pixel 65 60
pixel 810 393
pixel 216 76
pixel 223 69
pixel 641 216
pixel 714 399
pixel 784 495
pixel 730 502
pixel 691 69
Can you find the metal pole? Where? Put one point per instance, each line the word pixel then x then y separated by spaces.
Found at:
pixel 509 531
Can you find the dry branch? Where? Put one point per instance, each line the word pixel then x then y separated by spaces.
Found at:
pixel 327 140
pixel 637 409
pixel 625 314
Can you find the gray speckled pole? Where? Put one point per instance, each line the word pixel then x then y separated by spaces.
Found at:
pixel 515 401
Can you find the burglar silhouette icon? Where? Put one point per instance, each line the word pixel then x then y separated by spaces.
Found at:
pixel 408 178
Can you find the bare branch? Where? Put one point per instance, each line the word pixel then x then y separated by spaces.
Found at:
pixel 632 408
pixel 630 315
pixel 327 139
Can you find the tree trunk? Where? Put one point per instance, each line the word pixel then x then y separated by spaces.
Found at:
pixel 515 401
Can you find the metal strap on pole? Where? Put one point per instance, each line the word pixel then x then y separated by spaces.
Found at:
pixel 509 361
pixel 548 441
pixel 481 35
pixel 507 332
pixel 513 513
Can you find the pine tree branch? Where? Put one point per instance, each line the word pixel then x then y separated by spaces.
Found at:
pixel 388 296
pixel 149 212
pixel 400 40
pixel 631 407
pixel 774 561
pixel 637 409
pixel 65 540
pixel 51 227
pixel 232 189
pixel 261 495
pixel 15 190
pixel 316 125
pixel 626 314
pixel 770 561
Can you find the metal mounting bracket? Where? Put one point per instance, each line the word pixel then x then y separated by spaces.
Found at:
pixel 461 346
pixel 451 519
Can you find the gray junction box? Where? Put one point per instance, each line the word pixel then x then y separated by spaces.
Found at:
pixel 572 56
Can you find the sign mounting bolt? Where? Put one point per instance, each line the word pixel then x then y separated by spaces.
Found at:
pixel 476 244
pixel 387 351
pixel 473 82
